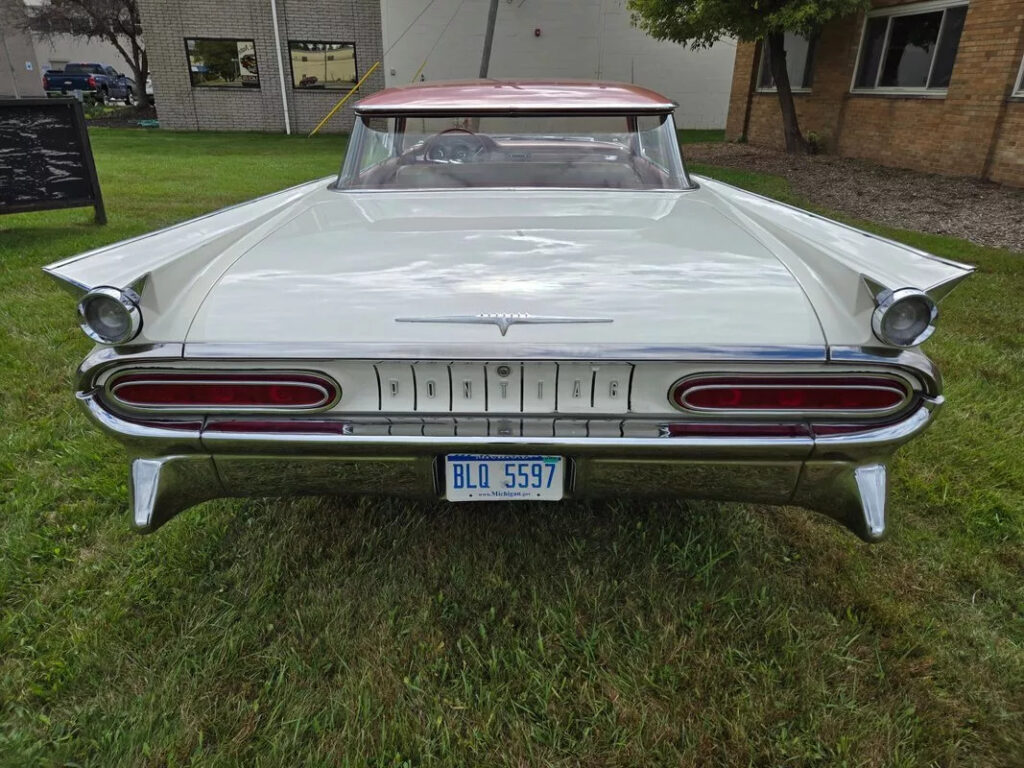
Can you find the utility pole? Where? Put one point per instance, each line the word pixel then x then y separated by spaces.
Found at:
pixel 485 61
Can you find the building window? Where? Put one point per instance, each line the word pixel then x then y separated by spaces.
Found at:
pixel 910 48
pixel 318 65
pixel 799 64
pixel 1019 90
pixel 222 63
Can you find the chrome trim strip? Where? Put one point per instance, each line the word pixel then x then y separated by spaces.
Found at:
pixel 461 110
pixel 504 320
pixel 881 440
pixel 101 358
pixel 500 351
pixel 912 361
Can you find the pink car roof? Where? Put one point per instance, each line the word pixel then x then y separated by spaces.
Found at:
pixel 503 96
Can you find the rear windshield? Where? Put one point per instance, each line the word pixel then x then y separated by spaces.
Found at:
pixel 83 69
pixel 459 151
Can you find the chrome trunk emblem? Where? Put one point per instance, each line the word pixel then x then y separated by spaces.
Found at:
pixel 504 321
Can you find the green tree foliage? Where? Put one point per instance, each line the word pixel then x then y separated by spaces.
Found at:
pixel 701 23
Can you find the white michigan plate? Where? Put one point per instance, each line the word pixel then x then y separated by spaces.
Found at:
pixel 474 477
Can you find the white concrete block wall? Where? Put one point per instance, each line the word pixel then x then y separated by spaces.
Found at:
pixel 54 52
pixel 578 39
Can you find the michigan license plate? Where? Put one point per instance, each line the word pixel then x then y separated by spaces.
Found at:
pixel 471 477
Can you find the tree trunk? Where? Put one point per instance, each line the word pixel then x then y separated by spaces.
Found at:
pixel 138 60
pixel 795 141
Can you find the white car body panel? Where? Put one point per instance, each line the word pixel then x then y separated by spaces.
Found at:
pixel 714 265
pixel 667 268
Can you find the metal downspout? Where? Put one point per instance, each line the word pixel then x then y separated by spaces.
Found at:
pixel 280 68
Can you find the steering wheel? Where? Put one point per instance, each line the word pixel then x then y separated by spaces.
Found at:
pixel 446 148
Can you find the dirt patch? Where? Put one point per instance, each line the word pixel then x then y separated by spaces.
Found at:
pixel 978 211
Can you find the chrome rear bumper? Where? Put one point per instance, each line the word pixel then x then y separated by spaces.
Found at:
pixel 842 476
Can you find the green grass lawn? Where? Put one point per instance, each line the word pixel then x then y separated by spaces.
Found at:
pixel 700 135
pixel 385 633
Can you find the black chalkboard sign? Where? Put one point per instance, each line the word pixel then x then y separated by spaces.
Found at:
pixel 45 158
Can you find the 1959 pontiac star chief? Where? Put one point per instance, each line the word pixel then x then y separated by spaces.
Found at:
pixel 512 290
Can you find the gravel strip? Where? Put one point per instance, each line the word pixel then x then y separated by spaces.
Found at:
pixel 978 211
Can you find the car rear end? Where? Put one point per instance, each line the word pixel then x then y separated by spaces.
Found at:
pixel 773 426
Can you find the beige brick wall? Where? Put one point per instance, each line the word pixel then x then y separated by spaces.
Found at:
pixel 182 107
pixel 975 130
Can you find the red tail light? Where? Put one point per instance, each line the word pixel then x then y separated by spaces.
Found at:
pixel 46 83
pixel 814 394
pixel 91 81
pixel 216 391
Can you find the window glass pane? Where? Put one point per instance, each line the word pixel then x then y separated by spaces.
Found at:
pixel 911 47
pixel 871 53
pixel 320 65
pixel 474 150
pixel 945 56
pixel 222 63
pixel 798 62
pixel 765 79
pixel 1020 85
pixel 652 138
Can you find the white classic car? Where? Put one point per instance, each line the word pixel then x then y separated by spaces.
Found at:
pixel 512 290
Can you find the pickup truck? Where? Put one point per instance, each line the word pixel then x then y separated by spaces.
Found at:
pixel 100 81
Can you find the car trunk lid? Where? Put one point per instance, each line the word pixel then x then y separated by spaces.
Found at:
pixel 506 267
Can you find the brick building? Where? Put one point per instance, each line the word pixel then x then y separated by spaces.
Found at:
pixel 215 64
pixel 220 66
pixel 934 86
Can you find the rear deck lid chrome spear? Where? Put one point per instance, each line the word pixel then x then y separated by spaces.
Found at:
pixel 504 320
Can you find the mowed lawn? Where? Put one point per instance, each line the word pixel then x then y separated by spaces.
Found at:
pixel 368 632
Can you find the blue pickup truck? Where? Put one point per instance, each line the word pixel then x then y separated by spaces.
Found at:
pixel 101 82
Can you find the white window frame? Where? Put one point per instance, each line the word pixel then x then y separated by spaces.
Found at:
pixel 913 9
pixel 811 45
pixel 1018 84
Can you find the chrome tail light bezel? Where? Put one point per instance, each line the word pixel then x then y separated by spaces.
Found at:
pixel 330 391
pixel 820 381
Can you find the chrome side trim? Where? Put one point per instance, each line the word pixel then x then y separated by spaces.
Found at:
pixel 501 351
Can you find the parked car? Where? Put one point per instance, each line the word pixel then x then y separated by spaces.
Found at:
pixel 513 290
pixel 98 81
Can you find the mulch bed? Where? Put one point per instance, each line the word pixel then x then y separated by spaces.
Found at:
pixel 979 211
